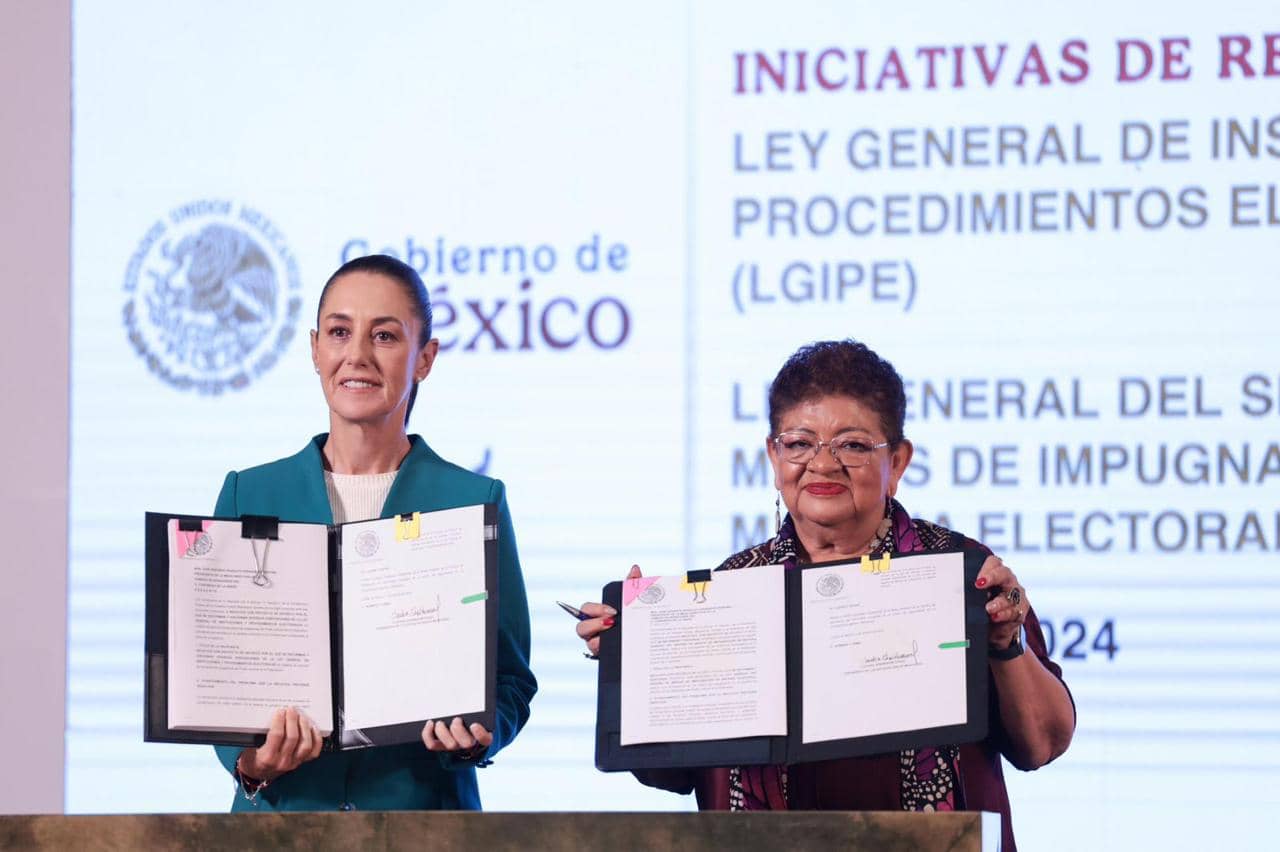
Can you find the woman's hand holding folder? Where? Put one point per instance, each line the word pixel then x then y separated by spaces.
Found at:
pixel 600 618
pixel 292 740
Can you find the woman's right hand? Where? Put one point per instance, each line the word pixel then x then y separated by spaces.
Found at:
pixel 292 740
pixel 589 630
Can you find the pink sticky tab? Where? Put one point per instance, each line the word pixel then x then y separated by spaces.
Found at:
pixel 631 589
pixel 186 539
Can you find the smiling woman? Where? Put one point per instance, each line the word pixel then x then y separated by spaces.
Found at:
pixel 837 448
pixel 372 347
pixel 372 344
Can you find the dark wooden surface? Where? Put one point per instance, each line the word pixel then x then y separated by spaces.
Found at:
pixel 445 830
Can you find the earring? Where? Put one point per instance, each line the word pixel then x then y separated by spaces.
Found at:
pixel 317 371
pixel 777 514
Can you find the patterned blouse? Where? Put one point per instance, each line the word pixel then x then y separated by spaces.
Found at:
pixel 927 775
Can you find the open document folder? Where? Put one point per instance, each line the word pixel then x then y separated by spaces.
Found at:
pixel 763 665
pixel 370 628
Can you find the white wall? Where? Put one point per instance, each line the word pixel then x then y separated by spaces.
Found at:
pixel 35 220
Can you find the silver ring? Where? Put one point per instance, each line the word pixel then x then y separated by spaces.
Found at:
pixel 1014 596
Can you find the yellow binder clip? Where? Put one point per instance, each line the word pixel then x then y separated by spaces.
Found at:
pixel 875 566
pixel 408 527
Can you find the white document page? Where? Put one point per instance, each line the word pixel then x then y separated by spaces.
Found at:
pixel 413 619
pixel 248 631
pixel 704 661
pixel 883 652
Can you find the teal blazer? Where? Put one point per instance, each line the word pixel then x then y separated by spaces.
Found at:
pixel 408 776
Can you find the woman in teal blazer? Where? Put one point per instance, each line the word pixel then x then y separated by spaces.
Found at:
pixel 371 348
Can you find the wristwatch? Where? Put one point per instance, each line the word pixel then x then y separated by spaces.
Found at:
pixel 1010 653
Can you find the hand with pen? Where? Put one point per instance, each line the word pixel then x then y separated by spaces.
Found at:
pixel 596 618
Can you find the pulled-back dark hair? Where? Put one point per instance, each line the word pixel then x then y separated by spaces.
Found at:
pixel 840 368
pixel 410 282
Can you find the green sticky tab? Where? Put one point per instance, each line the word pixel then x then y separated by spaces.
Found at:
pixel 962 644
pixel 479 596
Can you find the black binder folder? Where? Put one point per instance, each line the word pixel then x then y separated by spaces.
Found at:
pixel 612 756
pixel 156 727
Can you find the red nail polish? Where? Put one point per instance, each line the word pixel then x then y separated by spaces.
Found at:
pixel 982 581
pixel 608 622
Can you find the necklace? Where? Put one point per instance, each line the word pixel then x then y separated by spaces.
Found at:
pixel 881 536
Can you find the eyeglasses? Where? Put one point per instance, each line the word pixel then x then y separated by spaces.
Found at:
pixel 802 447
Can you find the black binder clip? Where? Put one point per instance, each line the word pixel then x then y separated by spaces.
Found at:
pixel 190 525
pixel 697 581
pixel 260 527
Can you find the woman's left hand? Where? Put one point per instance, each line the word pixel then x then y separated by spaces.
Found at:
pixel 456 737
pixel 1035 709
pixel 1008 607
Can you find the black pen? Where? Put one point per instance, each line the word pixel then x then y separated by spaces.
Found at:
pixel 574 611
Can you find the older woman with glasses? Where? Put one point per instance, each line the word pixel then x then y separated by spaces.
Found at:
pixel 836 413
